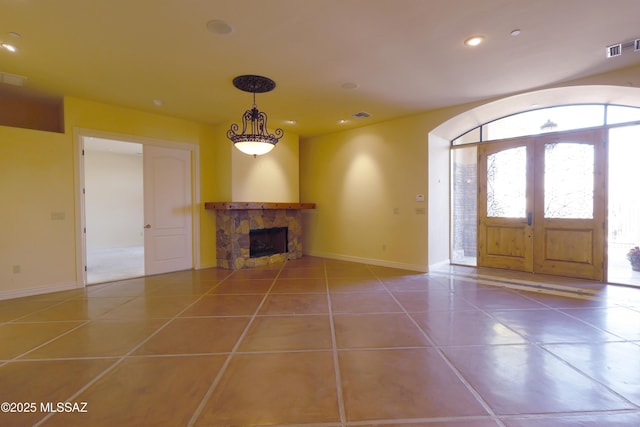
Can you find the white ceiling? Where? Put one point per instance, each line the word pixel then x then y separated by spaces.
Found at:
pixel 405 56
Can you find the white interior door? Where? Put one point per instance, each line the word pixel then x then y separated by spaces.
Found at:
pixel 167 209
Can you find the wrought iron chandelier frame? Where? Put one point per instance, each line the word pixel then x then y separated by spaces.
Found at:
pixel 254 121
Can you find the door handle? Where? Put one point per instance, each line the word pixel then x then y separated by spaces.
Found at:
pixel 147 226
pixel 529 218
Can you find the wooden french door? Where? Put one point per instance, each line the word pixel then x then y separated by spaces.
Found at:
pixel 505 205
pixel 541 204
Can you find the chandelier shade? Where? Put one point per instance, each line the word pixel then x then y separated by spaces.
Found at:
pixel 254 139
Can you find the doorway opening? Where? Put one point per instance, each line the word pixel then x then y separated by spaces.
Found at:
pixel 136 207
pixel 114 211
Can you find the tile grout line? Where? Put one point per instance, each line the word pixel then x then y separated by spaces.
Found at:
pixel 334 348
pixel 121 358
pixel 576 414
pixel 426 421
pixel 541 345
pixel 113 361
pixel 82 323
pixel 214 384
pixel 440 353
pixel 55 304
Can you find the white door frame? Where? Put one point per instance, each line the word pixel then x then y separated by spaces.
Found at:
pixel 78 160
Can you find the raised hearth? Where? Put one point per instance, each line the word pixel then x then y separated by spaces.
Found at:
pixel 235 221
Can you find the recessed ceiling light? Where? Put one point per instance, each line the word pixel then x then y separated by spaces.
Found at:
pixel 342 121
pixel 350 85
pixel 515 33
pixel 157 102
pixel 14 34
pixel 220 27
pixel 9 47
pixel 290 122
pixel 474 40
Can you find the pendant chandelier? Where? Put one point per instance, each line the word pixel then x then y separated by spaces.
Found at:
pixel 255 138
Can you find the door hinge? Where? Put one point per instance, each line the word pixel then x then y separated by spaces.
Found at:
pixel 85 268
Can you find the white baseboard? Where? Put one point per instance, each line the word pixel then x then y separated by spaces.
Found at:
pixel 371 261
pixel 20 293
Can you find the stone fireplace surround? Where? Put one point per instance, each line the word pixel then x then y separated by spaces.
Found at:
pixel 234 220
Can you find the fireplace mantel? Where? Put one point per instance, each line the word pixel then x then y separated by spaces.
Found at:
pixel 236 220
pixel 237 206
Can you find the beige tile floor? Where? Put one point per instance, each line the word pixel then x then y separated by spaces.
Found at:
pixel 321 342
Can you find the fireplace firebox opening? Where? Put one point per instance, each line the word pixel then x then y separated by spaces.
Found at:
pixel 268 241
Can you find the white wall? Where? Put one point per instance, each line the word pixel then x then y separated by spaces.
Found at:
pixel 113 199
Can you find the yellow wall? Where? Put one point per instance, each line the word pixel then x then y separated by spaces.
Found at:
pixel 222 170
pixel 365 183
pixel 37 173
pixel 36 176
pixel 38 197
pixel 97 116
pixel 269 178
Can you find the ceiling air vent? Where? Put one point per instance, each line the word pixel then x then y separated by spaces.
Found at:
pixel 615 50
pixel 362 115
pixel 12 79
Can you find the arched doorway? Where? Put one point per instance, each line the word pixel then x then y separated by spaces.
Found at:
pixel 492 111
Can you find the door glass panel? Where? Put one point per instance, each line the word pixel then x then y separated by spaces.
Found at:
pixel 568 180
pixel 507 183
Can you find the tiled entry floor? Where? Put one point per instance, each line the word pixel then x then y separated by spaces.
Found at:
pixel 323 343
